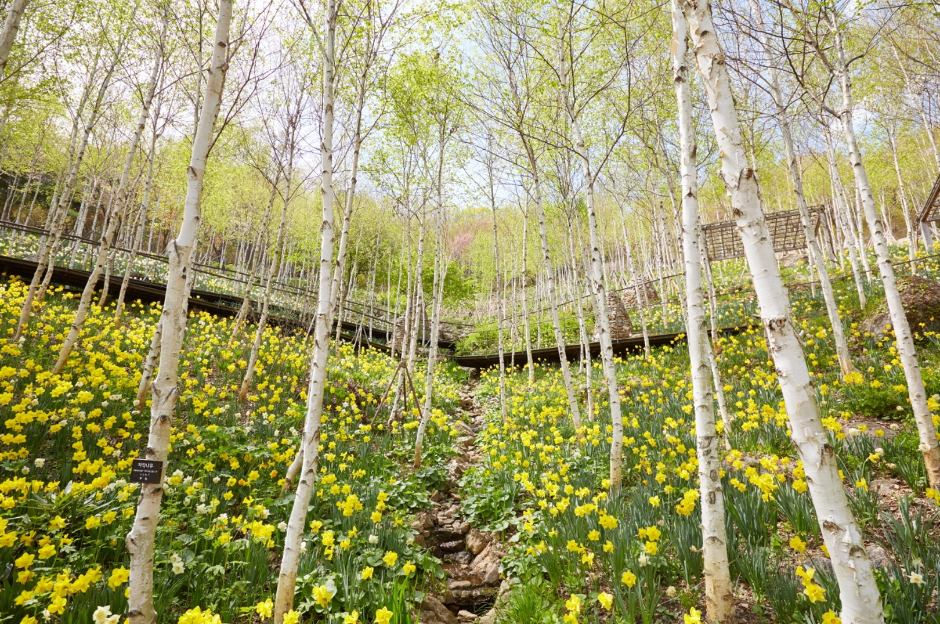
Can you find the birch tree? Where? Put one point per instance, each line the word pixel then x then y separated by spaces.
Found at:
pixel 8 35
pixel 366 35
pixel 815 252
pixel 140 540
pixel 368 30
pixel 576 48
pixel 838 64
pixel 119 205
pixel 719 600
pixel 310 440
pixel 861 601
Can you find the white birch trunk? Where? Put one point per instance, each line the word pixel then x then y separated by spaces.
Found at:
pixel 107 237
pixel 347 214
pixel 500 312
pixel 8 34
pixel 530 363
pixel 719 599
pixel 905 340
pixel 712 357
pixel 287 577
pixel 815 253
pixel 79 227
pixel 436 303
pixel 586 363
pixel 418 308
pixel 841 216
pixel 861 601
pixel 600 295
pixel 266 300
pixel 853 211
pixel 553 304
pixel 905 211
pixel 140 540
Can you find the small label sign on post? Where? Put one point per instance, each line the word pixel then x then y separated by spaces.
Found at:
pixel 146 471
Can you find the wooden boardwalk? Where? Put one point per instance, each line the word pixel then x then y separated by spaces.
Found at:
pixel 144 290
pixel 289 320
pixel 215 303
pixel 573 352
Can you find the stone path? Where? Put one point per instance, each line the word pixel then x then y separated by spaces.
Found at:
pixel 470 558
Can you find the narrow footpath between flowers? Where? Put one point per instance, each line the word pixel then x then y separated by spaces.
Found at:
pixel 471 559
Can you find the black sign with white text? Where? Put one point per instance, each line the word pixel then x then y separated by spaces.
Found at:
pixel 146 471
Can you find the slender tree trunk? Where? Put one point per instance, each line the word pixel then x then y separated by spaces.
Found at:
pixel 150 365
pixel 141 220
pixel 440 269
pixel 719 600
pixel 600 295
pixel 854 213
pixel 419 313
pixel 582 325
pixel 117 210
pixel 57 215
pixel 375 270
pixel 848 230
pixel 79 228
pixel 19 209
pixel 908 217
pixel 8 34
pixel 140 540
pixel 32 204
pixel 287 578
pixel 905 340
pixel 550 282
pixel 350 197
pixel 272 273
pixel 640 293
pixel 783 120
pixel 8 201
pixel 712 357
pixel 340 306
pixel 500 311
pixel 256 261
pixel 861 602
pixel 530 363
pixel 109 265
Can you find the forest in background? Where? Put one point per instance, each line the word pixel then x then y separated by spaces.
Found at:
pixel 438 89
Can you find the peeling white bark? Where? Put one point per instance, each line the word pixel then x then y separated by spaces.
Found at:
pixel 719 599
pixel 861 601
pixel 905 340
pixel 290 560
pixel 140 540
pixel 118 206
pixel 815 253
